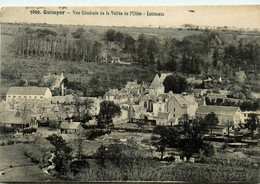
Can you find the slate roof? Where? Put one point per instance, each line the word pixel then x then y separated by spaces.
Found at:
pixel 11 117
pixel 217 109
pixel 70 125
pixel 148 97
pixel 156 83
pixel 26 91
pixel 185 100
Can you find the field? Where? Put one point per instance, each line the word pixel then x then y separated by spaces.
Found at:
pixel 15 166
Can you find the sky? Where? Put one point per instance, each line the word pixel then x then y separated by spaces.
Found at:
pixel 247 16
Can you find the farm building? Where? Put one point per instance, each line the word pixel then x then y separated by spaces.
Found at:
pixel 224 113
pixel 15 93
pixel 70 127
pixel 13 118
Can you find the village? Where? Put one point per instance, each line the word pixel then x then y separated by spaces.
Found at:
pixel 143 106
pixel 81 103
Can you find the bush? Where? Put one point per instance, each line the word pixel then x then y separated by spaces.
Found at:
pixel 78 165
pixel 7 130
pixel 39 151
pixel 10 142
pixel 208 150
pixel 96 133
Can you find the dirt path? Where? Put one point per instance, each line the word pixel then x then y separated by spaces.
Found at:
pixel 14 166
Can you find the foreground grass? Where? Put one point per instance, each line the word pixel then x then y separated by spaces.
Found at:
pixel 155 171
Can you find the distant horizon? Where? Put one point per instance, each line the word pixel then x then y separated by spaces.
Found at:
pixel 155 27
pixel 232 16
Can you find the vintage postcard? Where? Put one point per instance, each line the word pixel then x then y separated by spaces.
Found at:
pixel 156 93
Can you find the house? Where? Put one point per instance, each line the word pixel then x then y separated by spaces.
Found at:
pixel 15 93
pixel 164 118
pixel 181 104
pixel 55 81
pixel 199 92
pixel 147 101
pixel 70 127
pixel 136 112
pixel 174 105
pixel 193 81
pixel 70 101
pixel 13 118
pixel 131 84
pixel 111 94
pixel 53 116
pixel 224 113
pixel 216 97
pixel 241 76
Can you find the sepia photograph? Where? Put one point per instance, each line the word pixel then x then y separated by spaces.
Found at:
pixel 130 94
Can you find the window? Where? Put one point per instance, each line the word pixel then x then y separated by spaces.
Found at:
pixel 174 109
pixel 173 115
pixel 29 96
pixel 145 104
pixel 160 109
pixel 41 97
pixel 14 96
pixel 19 96
pixel 24 96
pixel 35 97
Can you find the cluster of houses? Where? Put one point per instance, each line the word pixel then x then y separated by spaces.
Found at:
pixel 139 103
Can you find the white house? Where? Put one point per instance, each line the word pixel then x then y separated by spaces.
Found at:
pixel 15 93
pixel 224 113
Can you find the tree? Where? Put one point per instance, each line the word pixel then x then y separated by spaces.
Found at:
pixel 229 125
pixel 108 110
pixel 252 123
pixel 79 33
pixel 110 35
pixel 211 120
pixel 82 107
pixel 129 44
pixel 215 57
pixel 62 154
pixel 119 37
pixel 164 137
pixel 176 84
pixel 79 141
pixel 193 130
pixel 122 156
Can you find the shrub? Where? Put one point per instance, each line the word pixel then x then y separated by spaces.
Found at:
pixel 39 151
pixel 7 130
pixel 10 142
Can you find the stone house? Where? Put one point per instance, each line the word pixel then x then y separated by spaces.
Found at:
pixel 224 113
pixel 15 93
pixel 14 118
pixel 71 127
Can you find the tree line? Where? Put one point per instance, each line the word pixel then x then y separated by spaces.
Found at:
pixel 194 54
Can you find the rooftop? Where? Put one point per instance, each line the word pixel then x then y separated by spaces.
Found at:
pixel 217 109
pixel 70 125
pixel 156 83
pixel 27 91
